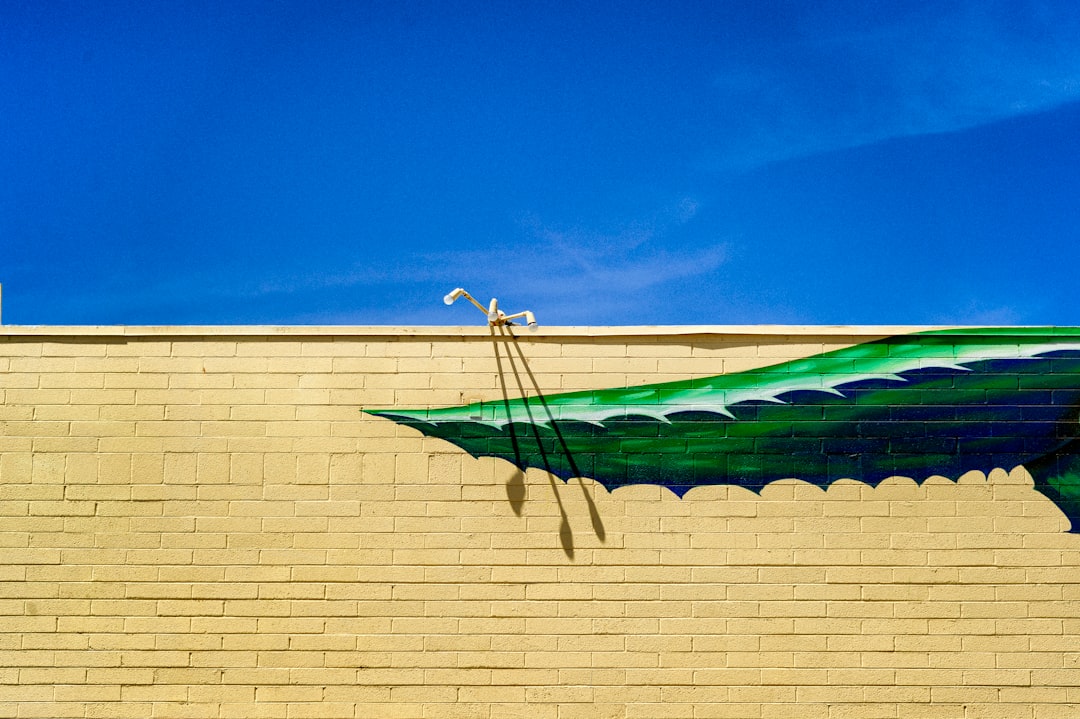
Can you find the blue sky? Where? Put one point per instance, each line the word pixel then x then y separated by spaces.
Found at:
pixel 301 162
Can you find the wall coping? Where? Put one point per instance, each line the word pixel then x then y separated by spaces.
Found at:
pixel 418 332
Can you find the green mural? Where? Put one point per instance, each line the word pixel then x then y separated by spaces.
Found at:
pixel 929 403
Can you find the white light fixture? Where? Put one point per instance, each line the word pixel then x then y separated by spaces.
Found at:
pixel 495 316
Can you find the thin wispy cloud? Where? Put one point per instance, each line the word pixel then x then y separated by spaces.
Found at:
pixel 978 313
pixel 573 273
pixel 925 69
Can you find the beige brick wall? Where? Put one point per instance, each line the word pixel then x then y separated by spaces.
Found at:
pixel 201 523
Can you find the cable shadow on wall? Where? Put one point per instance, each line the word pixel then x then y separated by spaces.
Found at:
pixel 554 454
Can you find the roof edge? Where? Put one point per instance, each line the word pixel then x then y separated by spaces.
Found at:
pixel 416 332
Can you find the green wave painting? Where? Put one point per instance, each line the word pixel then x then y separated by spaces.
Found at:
pixel 928 403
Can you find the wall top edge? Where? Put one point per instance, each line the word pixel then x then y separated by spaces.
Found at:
pixel 273 331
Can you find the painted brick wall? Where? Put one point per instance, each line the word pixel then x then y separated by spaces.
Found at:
pixel 202 523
